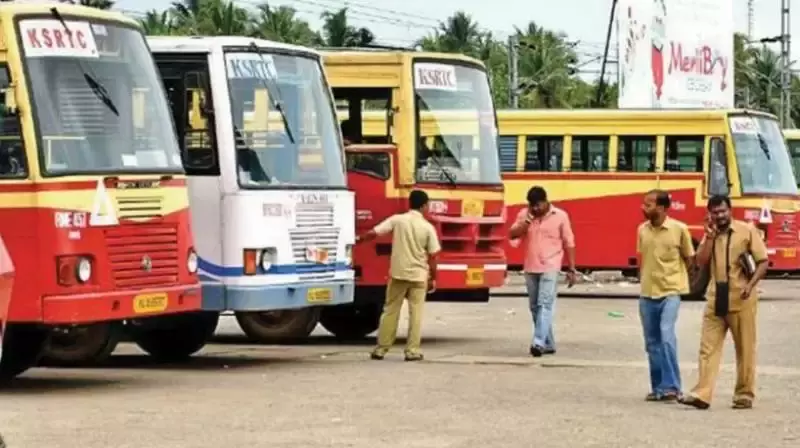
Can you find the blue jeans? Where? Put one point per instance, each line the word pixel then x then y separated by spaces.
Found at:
pixel 658 324
pixel 542 292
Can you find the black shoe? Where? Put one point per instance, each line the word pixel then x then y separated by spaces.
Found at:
pixel 536 351
pixel 549 351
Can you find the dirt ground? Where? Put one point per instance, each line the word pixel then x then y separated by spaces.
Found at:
pixel 477 388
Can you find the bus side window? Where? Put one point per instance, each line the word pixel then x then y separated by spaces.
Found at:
pixel 188 90
pixel 589 153
pixel 718 168
pixel 12 152
pixel 794 153
pixel 507 146
pixel 372 163
pixel 684 153
pixel 637 154
pixel 544 153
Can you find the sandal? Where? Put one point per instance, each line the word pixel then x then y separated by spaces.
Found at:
pixel 742 403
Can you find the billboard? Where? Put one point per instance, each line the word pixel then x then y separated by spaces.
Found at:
pixel 675 53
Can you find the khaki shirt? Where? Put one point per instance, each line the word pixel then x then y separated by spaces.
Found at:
pixel 664 250
pixel 413 241
pixel 744 237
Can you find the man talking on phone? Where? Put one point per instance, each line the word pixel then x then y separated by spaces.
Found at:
pixel 412 273
pixel 546 233
pixel 666 253
pixel 736 258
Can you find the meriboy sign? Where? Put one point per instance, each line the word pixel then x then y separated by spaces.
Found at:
pixel 675 53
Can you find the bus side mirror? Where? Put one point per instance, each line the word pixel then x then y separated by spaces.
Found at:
pixel 9 107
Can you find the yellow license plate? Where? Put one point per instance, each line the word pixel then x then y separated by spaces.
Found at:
pixel 789 253
pixel 472 208
pixel 474 276
pixel 150 303
pixel 319 295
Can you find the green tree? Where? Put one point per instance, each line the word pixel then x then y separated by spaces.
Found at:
pixel 337 32
pixel 281 24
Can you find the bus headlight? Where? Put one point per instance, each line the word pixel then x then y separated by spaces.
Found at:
pixel 83 270
pixel 191 261
pixel 348 254
pixel 267 258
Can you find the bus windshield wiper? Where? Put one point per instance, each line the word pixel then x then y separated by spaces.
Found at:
pixel 451 180
pixel 274 93
pixel 763 144
pixel 97 88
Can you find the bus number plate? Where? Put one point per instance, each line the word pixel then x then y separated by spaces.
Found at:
pixel 319 295
pixel 789 252
pixel 472 208
pixel 150 303
pixel 475 276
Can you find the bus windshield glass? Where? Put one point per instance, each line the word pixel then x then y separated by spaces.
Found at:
pixel 761 155
pixel 457 138
pixel 284 121
pixel 98 102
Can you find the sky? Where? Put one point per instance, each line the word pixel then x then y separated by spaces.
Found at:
pixel 401 22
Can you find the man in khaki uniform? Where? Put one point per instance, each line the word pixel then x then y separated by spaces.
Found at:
pixel 732 300
pixel 412 273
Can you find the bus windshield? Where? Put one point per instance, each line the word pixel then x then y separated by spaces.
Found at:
pixel 284 121
pixel 457 138
pixel 762 156
pixel 97 99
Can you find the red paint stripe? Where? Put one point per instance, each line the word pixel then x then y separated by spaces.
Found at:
pixel 32 187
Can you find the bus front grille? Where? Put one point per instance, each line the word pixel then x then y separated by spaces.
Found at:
pixel 324 238
pixel 143 255
pixel 139 207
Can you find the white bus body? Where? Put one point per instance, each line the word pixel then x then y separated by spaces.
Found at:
pixel 272 217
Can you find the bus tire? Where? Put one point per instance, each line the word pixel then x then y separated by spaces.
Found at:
pixel 23 345
pixel 177 338
pixel 279 325
pixel 350 322
pixel 82 345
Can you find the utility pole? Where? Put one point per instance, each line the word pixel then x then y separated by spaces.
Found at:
pixel 601 85
pixel 513 70
pixel 786 73
pixel 750 25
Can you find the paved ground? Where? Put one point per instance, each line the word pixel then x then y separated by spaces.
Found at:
pixel 477 389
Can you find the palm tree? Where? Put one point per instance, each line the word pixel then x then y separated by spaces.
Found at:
pixel 223 18
pixel 281 24
pixel 188 14
pixel 545 66
pixel 99 4
pixel 157 23
pixel 336 32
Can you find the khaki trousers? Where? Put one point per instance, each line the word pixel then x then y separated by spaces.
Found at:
pixel 396 292
pixel 742 325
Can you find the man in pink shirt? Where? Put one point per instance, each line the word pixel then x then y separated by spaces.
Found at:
pixel 546 233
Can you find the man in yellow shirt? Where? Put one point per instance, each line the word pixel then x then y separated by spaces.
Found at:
pixel 732 300
pixel 665 247
pixel 412 273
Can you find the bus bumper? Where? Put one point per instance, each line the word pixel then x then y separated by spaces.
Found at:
pixel 119 305
pixel 783 260
pixel 454 275
pixel 219 297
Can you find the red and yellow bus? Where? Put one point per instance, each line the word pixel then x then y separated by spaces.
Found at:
pixel 386 162
pixel 93 202
pixel 598 164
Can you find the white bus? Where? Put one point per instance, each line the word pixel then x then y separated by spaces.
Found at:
pixel 271 214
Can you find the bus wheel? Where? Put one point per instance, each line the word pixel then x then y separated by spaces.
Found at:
pixel 81 345
pixel 279 325
pixel 350 322
pixel 22 347
pixel 176 338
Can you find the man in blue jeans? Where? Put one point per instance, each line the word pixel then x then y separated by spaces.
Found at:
pixel 666 251
pixel 547 234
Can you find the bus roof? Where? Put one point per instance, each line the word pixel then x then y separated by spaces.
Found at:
pixel 206 44
pixel 791 133
pixel 626 114
pixel 66 9
pixel 384 56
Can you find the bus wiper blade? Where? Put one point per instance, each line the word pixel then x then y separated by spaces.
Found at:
pixel 451 180
pixel 763 144
pixel 96 87
pixel 100 92
pixel 274 92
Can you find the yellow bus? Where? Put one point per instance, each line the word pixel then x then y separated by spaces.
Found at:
pixel 793 143
pixel 412 94
pixel 597 165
